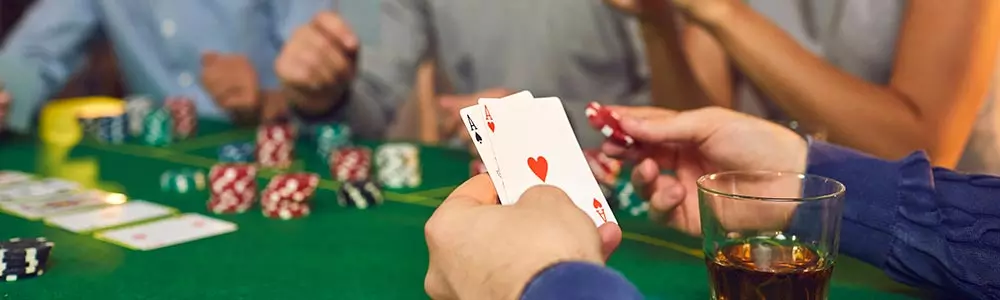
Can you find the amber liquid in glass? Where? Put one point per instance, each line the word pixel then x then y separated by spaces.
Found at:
pixel 768 270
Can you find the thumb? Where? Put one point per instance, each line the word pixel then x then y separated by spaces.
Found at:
pixel 692 126
pixel 611 237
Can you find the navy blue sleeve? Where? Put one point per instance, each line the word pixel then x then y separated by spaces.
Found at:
pixel 931 228
pixel 579 280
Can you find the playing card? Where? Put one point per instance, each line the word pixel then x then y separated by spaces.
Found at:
pixel 535 144
pixel 10 177
pixel 167 232
pixel 62 203
pixel 110 216
pixel 32 190
pixel 475 124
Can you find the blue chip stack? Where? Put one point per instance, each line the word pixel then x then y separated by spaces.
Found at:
pixel 111 129
pixel 237 153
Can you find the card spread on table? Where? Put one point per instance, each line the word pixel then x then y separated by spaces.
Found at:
pixel 167 232
pixel 63 203
pixel 110 216
pixel 11 177
pixel 533 143
pixel 34 190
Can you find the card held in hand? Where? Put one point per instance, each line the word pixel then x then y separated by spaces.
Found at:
pixel 537 145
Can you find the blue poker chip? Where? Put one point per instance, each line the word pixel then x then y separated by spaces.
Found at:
pixel 237 152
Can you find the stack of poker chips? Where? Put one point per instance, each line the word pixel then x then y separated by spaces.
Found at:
pixel 24 258
pixel 241 152
pixel 398 165
pixel 288 196
pixel 182 181
pixel 233 188
pixel 628 200
pixel 275 145
pixel 157 128
pixel 137 107
pixel 360 194
pixel 185 116
pixel 331 137
pixel 351 164
pixel 104 125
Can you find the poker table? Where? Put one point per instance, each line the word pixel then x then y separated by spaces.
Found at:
pixel 336 253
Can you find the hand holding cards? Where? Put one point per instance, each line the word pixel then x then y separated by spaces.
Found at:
pixel 526 141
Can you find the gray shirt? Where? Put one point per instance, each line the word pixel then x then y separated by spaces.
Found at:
pixel 578 50
pixel 859 37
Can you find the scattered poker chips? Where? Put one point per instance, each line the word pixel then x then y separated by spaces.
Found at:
pixel 606 169
pixel 607 122
pixel 237 153
pixel 359 194
pixel 476 167
pixel 275 145
pixel 233 188
pixel 24 258
pixel 330 137
pixel 184 114
pixel 288 196
pixel 182 181
pixel 398 165
pixel 350 164
pixel 137 107
pixel 158 128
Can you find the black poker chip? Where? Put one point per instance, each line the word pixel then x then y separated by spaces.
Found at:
pixel 16 277
pixel 360 194
pixel 22 258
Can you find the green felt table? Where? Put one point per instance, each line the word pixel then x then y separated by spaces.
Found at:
pixel 336 253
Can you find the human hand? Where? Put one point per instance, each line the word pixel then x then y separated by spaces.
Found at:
pixel 695 143
pixel 232 81
pixel 481 250
pixel 318 62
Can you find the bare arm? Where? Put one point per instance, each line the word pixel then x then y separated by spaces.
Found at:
pixel 944 63
pixel 674 84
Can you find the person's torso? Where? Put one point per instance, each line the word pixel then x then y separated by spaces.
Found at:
pixel 159 44
pixel 859 37
pixel 578 50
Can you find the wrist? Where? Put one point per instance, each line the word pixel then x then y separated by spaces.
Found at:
pixel 712 14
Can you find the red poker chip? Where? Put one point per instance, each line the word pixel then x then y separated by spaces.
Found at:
pixel 608 123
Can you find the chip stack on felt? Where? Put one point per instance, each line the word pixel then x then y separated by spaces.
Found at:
pixel 105 126
pixel 242 152
pixel 184 115
pixel 24 258
pixel 351 164
pixel 398 165
pixel 182 181
pixel 137 107
pixel 288 196
pixel 158 128
pixel 233 188
pixel 275 145
pixel 360 194
pixel 331 137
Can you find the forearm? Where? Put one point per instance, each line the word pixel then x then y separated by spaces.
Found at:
pixel 852 112
pixel 672 82
pixel 934 230
pixel 579 280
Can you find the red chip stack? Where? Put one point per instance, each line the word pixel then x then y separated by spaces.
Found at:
pixel 606 169
pixel 275 145
pixel 351 164
pixel 184 115
pixel 233 188
pixel 287 196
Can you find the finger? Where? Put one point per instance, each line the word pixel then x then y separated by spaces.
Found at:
pixel 644 178
pixel 476 191
pixel 336 30
pixel 642 112
pixel 689 127
pixel 668 193
pixel 611 237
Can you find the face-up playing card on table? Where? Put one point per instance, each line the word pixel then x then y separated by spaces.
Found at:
pixel 110 216
pixel 11 177
pixel 63 203
pixel 535 144
pixel 34 190
pixel 167 232
pixel 475 124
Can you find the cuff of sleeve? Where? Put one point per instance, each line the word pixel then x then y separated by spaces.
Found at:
pixel 874 192
pixel 24 90
pixel 579 280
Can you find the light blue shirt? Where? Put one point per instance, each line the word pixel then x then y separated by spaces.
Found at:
pixel 158 45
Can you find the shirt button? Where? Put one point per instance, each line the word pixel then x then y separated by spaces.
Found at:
pixel 168 28
pixel 185 79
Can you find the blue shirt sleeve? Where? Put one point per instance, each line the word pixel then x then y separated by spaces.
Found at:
pixel 927 227
pixel 579 280
pixel 42 52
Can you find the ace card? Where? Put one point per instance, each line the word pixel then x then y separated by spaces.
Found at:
pixel 167 232
pixel 63 203
pixel 115 215
pixel 479 131
pixel 537 145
